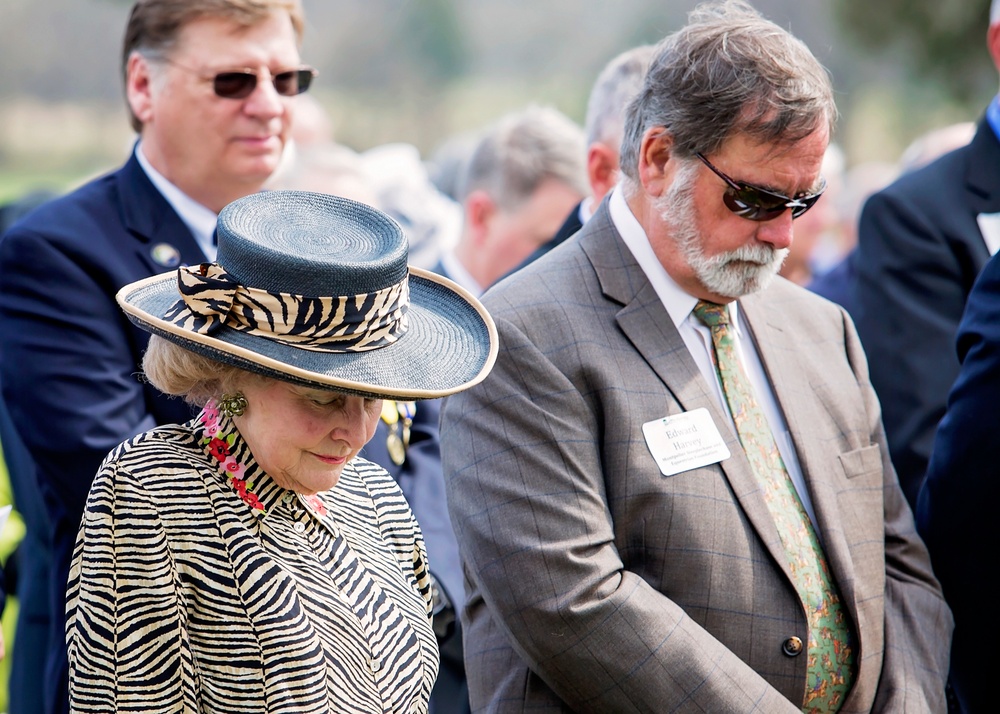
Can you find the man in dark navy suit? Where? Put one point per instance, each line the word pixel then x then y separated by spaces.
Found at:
pixel 956 507
pixel 922 242
pixel 211 91
pixel 614 88
pixel 956 504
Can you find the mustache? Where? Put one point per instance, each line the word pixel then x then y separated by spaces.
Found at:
pixel 759 254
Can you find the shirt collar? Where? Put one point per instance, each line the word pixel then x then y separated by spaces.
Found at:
pixel 993 115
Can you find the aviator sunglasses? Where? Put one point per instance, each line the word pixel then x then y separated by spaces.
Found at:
pixel 759 204
pixel 239 84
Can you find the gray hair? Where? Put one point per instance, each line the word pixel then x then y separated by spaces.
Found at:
pixel 994 12
pixel 729 71
pixel 521 151
pixel 179 372
pixel 619 81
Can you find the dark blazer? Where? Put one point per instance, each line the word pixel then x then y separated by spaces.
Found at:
pixel 919 252
pixel 956 510
pixel 69 358
pixel 600 585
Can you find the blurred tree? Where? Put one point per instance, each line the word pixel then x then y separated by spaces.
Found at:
pixel 431 32
pixel 941 41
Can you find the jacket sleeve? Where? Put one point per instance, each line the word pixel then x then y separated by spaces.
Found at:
pixel 526 491
pixel 126 631
pixel 67 363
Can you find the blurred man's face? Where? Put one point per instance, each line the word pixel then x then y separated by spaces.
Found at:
pixel 213 148
pixel 514 235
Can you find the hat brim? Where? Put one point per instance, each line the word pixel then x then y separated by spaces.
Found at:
pixel 450 344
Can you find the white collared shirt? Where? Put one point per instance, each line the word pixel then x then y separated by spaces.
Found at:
pixel 698 339
pixel 199 219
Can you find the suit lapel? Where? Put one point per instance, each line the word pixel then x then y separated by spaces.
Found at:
pixel 786 362
pixel 647 325
pixel 148 217
pixel 983 191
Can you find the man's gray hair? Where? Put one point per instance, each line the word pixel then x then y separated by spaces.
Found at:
pixel 619 81
pixel 521 151
pixel 994 12
pixel 729 71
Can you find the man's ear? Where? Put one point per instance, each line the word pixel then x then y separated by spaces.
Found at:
pixel 993 43
pixel 138 89
pixel 479 212
pixel 654 155
pixel 602 169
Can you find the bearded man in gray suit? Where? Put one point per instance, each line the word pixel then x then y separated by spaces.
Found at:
pixel 673 492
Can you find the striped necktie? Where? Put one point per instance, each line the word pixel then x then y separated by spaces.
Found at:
pixel 830 644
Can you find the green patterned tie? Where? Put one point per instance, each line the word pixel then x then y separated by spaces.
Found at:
pixel 830 649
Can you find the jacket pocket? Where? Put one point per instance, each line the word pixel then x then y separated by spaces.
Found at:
pixel 859 462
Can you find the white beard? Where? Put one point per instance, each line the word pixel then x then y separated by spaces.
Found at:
pixel 733 274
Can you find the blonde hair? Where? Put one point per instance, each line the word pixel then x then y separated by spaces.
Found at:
pixel 178 371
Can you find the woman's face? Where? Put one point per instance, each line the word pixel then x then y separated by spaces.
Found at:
pixel 302 436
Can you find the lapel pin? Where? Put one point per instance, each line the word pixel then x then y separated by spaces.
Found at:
pixel 166 255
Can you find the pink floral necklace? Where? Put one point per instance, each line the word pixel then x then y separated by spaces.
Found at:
pixel 219 445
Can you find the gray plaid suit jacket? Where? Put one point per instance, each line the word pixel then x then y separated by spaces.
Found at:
pixel 596 584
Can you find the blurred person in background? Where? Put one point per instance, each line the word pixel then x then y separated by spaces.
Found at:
pixel 615 86
pixel 956 505
pixel 27 660
pixel 211 88
pixel 859 182
pixel 524 176
pixel 922 242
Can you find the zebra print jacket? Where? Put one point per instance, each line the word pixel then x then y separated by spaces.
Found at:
pixel 192 590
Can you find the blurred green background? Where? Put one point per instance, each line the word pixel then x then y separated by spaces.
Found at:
pixel 420 71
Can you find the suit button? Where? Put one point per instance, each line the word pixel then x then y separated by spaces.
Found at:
pixel 792 646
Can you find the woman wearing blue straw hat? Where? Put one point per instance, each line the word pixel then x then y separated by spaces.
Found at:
pixel 246 561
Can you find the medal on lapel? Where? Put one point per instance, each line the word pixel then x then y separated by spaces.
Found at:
pixel 398 416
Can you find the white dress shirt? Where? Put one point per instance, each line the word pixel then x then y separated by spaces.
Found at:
pixel 698 339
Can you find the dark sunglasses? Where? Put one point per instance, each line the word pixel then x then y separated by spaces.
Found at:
pixel 759 204
pixel 239 84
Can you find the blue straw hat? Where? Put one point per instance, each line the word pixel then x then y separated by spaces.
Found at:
pixel 315 289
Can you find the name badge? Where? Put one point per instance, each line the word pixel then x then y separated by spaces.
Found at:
pixel 684 441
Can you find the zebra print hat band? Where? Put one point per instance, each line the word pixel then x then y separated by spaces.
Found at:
pixel 269 303
pixel 352 323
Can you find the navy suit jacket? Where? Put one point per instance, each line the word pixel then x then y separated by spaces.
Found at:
pixel 957 504
pixel 69 356
pixel 920 250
